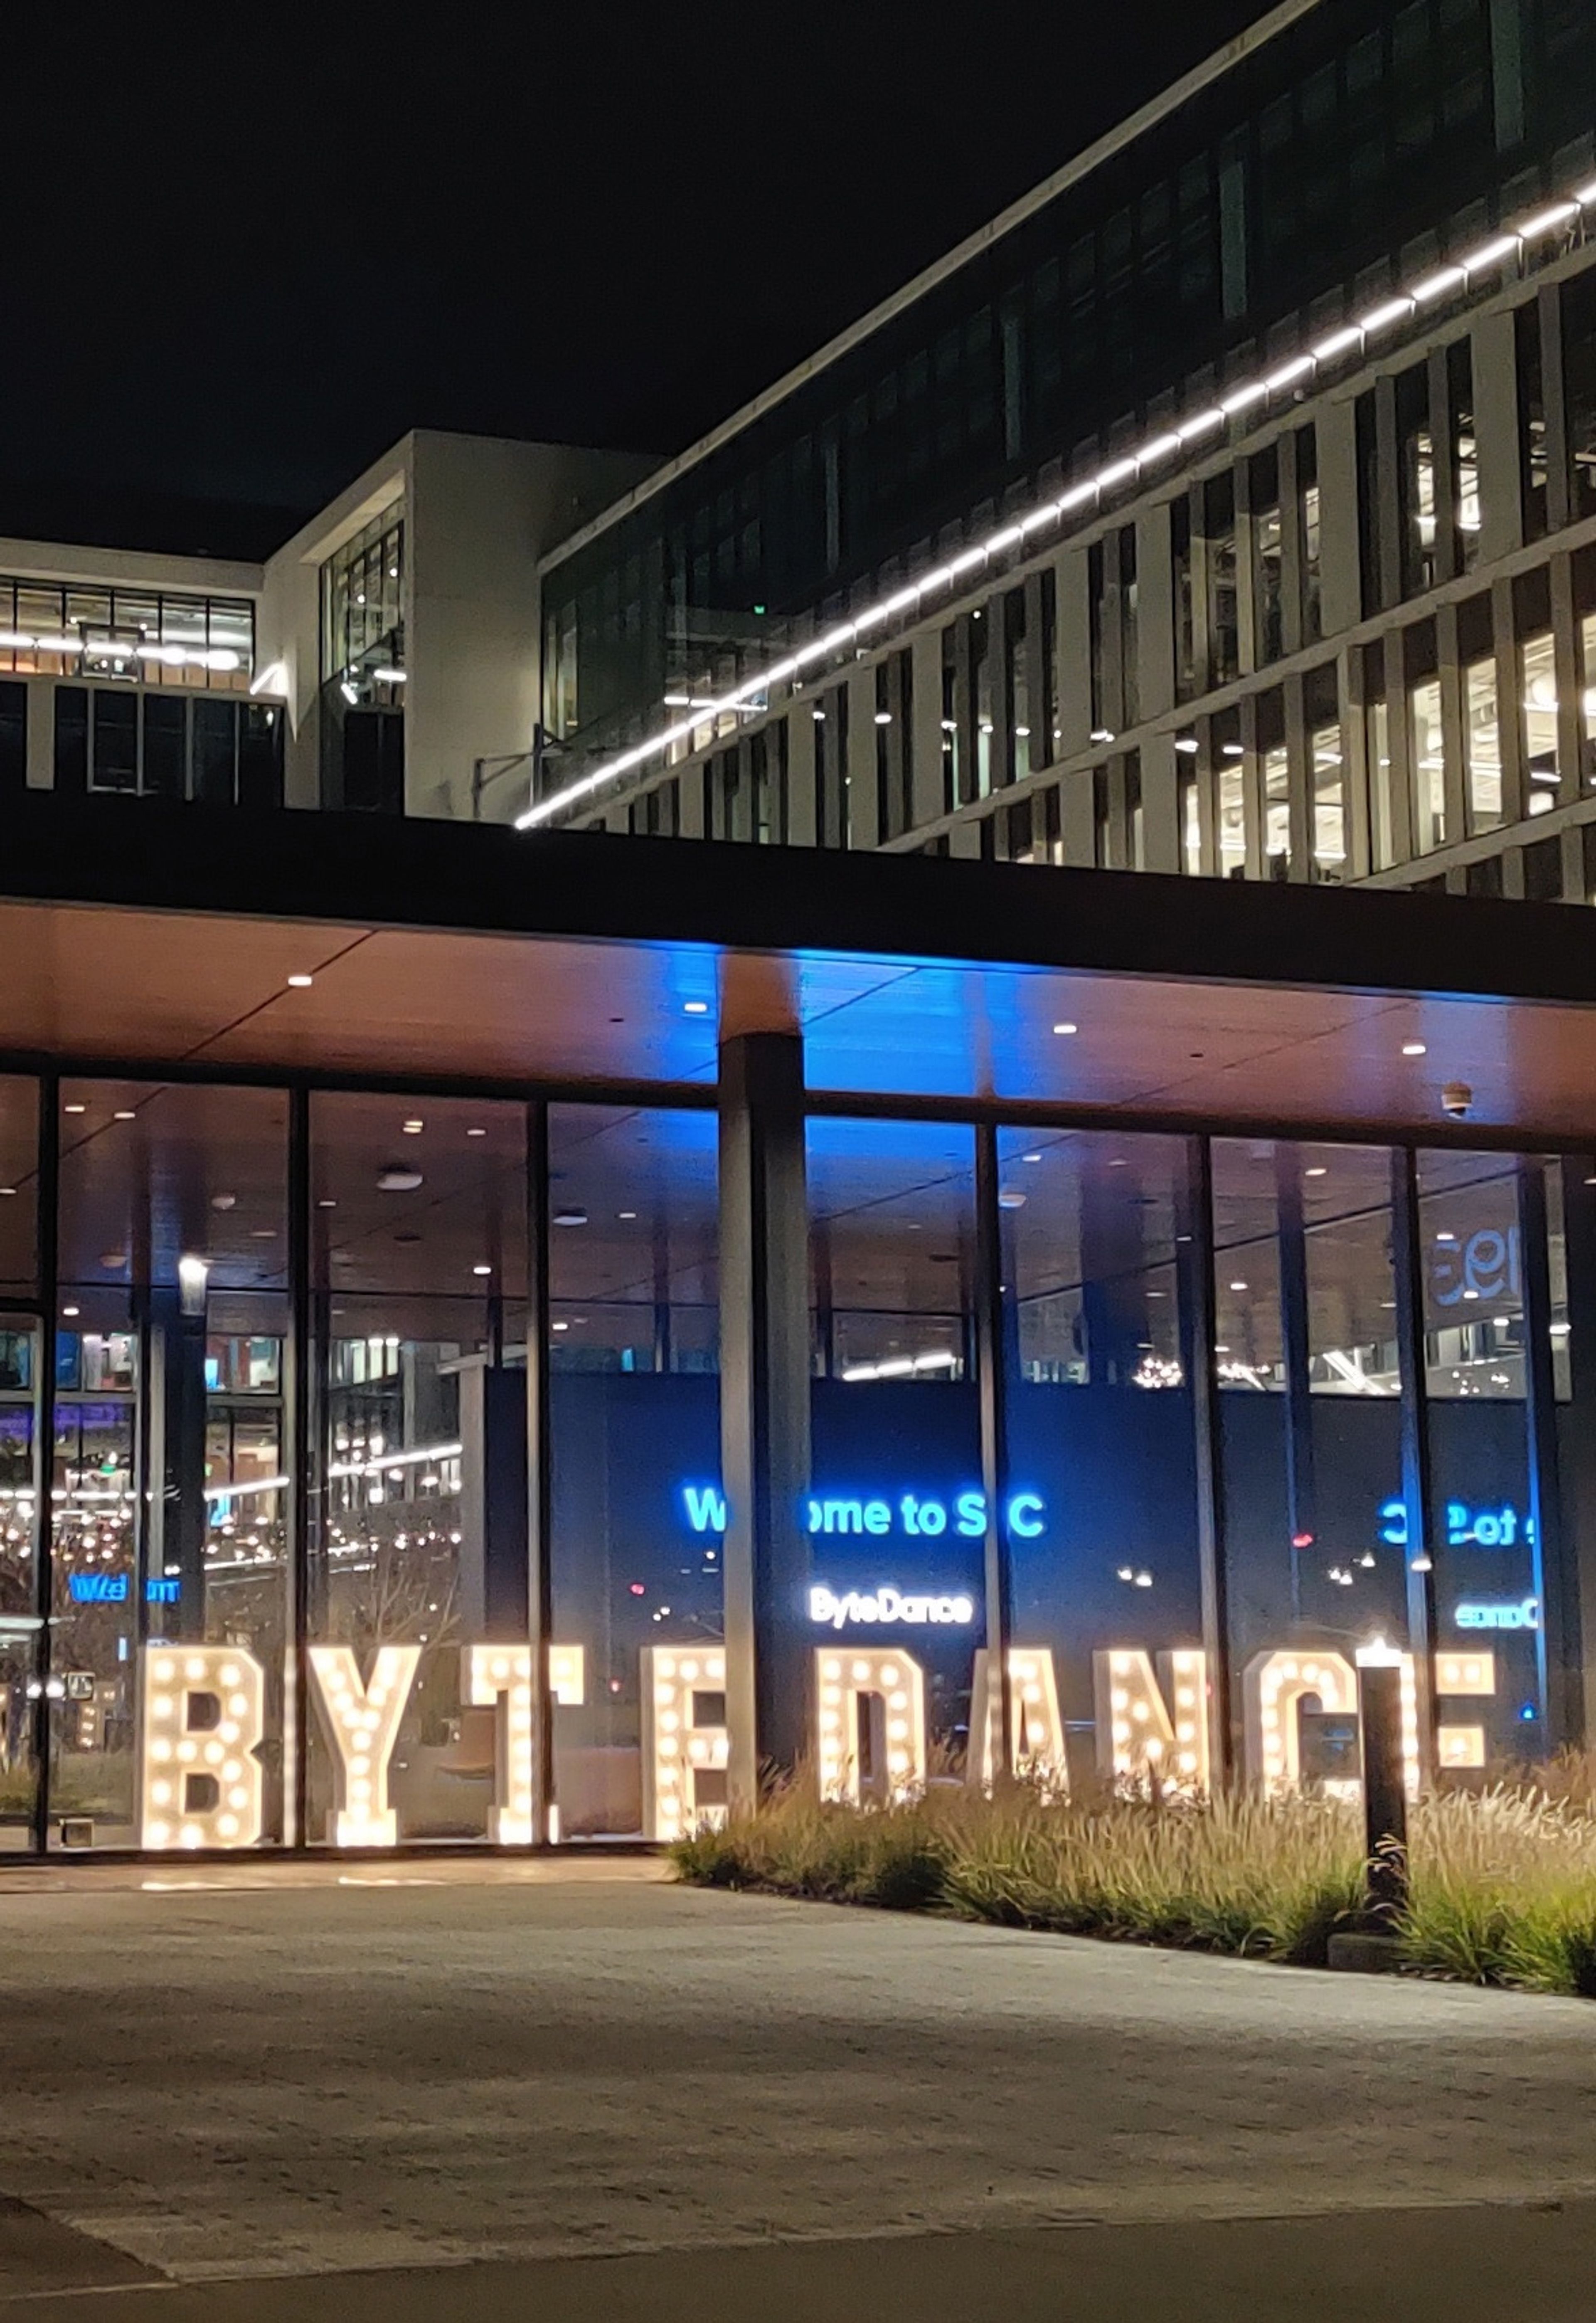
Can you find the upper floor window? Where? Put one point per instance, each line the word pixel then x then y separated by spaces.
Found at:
pixel 51 629
pixel 363 630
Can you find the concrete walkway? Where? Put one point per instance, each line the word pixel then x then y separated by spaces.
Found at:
pixel 214 2096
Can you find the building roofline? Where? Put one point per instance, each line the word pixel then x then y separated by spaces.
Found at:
pixel 1114 140
pixel 77 565
pixel 365 871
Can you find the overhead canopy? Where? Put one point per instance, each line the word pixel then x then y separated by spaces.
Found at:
pixel 140 936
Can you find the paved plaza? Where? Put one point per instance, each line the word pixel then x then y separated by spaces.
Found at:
pixel 461 2090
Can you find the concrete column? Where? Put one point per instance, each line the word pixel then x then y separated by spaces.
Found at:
pixel 39 744
pixel 864 802
pixel 1340 580
pixel 802 820
pixel 764 1398
pixel 1160 803
pixel 926 804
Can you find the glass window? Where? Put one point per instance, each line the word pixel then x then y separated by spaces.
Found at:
pixel 1103 1489
pixel 1540 717
pixel 1310 1408
pixel 1268 557
pixel 170 1508
pixel 420 1266
pixel 1328 765
pixel 1426 739
pixel 635 1421
pixel 1480 1525
pixel 1230 777
pixel 895 1433
pixel 1482 743
pixel 1277 786
pixel 1308 485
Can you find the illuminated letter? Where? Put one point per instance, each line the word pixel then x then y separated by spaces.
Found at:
pixel 204 1716
pixel 1272 1687
pixel 1145 1735
pixel 362 1724
pixel 897 1681
pixel 501 1677
pixel 683 1757
pixel 1036 1730
pixel 1026 1514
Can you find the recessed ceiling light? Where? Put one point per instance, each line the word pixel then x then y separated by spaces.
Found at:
pixel 1319 1169
pixel 223 1202
pixel 571 1218
pixel 6 1189
pixel 127 1115
pixel 74 1108
pixel 414 1127
pixel 481 1270
pixel 264 1234
pixel 632 1213
pixel 70 1311
pixel 1011 1198
pixel 399 1180
pixel 476 1132
pixel 1063 1031
pixel 1238 1286
pixel 1031 1157
pixel 562 1326
pixel 326 1203
pixel 301 983
pixel 1414 1049
pixel 695 1007
pixel 114 1259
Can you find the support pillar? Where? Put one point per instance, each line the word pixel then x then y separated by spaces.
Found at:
pixel 764 1364
pixel 1418 1496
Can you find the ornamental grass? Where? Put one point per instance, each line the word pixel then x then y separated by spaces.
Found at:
pixel 1503 1881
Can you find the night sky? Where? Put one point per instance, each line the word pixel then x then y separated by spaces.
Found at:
pixel 238 260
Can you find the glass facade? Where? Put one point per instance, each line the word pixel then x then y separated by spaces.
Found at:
pixel 1278 189
pixel 317 1372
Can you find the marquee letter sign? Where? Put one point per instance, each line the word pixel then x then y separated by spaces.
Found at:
pixel 204 1716
pixel 1145 1735
pixel 684 1750
pixel 897 1683
pixel 1036 1730
pixel 362 1724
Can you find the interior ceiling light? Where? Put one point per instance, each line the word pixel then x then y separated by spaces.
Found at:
pixel 1063 1031
pixel 1246 396
pixel 695 1008
pixel 570 1217
pixel 481 1270
pixel 398 1179
pixel 301 983
pixel 1414 1049
pixel 126 1113
pixel 414 1127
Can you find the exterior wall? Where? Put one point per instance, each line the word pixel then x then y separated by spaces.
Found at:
pixel 481 512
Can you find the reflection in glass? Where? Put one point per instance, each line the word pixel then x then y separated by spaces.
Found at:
pixel 419 1267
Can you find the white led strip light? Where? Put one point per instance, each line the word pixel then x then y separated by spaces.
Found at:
pixel 1490 258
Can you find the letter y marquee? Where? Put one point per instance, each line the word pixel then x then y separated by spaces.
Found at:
pixel 362 1724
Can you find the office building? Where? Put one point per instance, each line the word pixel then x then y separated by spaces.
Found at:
pixel 502 1331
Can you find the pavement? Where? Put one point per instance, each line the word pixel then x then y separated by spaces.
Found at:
pixel 579 2091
